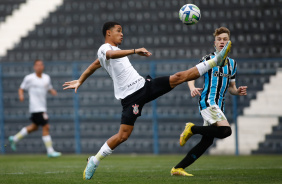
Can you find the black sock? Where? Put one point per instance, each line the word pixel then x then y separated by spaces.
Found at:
pixel 213 131
pixel 195 152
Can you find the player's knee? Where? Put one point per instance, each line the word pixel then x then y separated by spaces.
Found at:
pixel 207 141
pixel 225 131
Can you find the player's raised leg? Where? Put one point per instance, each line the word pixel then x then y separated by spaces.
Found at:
pixel 106 150
pixel 201 68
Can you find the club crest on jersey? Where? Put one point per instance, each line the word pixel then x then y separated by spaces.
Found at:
pixel 135 109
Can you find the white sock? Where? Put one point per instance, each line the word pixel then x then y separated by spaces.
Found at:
pixel 21 134
pixel 48 143
pixel 102 153
pixel 204 67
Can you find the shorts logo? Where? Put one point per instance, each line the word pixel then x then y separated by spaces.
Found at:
pixel 135 109
pixel 45 115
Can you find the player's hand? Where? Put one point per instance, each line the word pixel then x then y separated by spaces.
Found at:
pixel 143 52
pixel 196 91
pixel 72 85
pixel 242 90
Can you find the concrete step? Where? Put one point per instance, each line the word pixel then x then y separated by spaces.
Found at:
pixel 265 110
pixel 251 131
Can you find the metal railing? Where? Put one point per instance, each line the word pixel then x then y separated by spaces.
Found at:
pixel 76 104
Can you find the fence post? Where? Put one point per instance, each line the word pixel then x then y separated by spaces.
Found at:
pixel 75 75
pixel 235 115
pixel 2 132
pixel 154 114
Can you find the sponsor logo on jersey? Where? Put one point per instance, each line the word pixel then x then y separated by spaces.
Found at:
pixel 134 82
pixel 220 74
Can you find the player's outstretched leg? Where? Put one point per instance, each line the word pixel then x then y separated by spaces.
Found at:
pixel 201 68
pixel 186 134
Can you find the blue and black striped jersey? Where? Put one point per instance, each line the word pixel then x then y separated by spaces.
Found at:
pixel 216 83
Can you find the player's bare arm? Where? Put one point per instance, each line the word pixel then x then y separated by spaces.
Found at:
pixel 89 71
pixel 194 91
pixel 233 90
pixel 114 54
pixel 53 92
pixel 21 94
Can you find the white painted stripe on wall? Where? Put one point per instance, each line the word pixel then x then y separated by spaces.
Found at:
pixel 24 20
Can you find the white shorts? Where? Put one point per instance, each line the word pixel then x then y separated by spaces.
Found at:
pixel 212 115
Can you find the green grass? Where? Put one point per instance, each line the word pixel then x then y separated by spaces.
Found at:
pixel 140 169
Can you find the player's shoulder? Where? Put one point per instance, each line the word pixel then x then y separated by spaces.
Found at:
pixel 45 75
pixel 232 61
pixel 29 76
pixel 106 46
pixel 103 48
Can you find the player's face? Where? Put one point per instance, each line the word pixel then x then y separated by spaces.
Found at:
pixel 220 41
pixel 38 67
pixel 116 34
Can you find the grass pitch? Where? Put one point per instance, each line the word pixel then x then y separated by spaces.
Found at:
pixel 140 169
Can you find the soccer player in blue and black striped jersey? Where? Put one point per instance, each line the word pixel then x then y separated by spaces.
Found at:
pixel 211 104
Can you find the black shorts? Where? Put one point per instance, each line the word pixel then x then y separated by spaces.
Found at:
pixel 133 104
pixel 39 118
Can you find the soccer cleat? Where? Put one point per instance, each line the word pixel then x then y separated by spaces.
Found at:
pixel 89 169
pixel 12 143
pixel 179 172
pixel 186 134
pixel 54 154
pixel 221 56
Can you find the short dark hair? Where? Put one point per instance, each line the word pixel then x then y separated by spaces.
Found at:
pixel 221 30
pixel 108 26
pixel 37 61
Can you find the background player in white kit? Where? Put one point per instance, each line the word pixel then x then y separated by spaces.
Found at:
pixel 132 89
pixel 38 84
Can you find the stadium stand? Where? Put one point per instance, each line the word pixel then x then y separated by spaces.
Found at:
pixel 272 143
pixel 7 7
pixel 71 35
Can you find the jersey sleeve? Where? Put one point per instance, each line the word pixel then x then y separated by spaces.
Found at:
pixel 233 77
pixel 49 87
pixel 25 83
pixel 102 52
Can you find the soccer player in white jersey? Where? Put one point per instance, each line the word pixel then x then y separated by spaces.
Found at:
pixel 38 84
pixel 133 90
pixel 218 80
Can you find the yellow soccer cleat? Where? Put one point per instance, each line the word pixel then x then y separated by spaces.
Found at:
pixel 186 134
pixel 222 55
pixel 179 172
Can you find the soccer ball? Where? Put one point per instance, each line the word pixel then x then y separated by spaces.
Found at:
pixel 189 14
